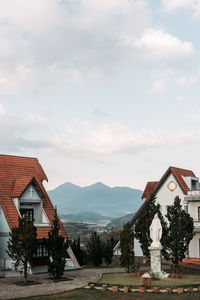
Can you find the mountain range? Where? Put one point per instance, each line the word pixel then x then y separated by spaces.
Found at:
pixel 96 198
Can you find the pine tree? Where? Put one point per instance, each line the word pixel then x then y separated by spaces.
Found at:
pixel 22 245
pixel 180 232
pixel 143 223
pixel 127 246
pixel 78 252
pixel 94 249
pixel 108 250
pixel 57 248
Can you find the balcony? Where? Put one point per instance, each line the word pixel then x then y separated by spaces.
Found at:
pixel 193 196
pixel 196 225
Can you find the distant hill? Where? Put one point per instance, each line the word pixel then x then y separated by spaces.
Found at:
pixel 85 217
pixel 119 222
pixel 98 198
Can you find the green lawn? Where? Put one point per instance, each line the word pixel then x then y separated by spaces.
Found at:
pixel 123 279
pixel 83 294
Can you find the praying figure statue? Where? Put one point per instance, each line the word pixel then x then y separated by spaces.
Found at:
pixel 155 231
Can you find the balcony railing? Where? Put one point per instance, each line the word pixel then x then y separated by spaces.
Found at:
pixel 196 223
pixel 194 192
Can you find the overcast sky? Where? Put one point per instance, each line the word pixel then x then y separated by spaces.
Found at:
pixel 101 90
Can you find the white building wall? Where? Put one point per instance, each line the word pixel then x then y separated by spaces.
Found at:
pixel 5 260
pixel 137 248
pixel 194 250
pixel 165 197
pixel 193 209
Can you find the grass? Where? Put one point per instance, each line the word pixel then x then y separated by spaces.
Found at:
pixel 123 279
pixel 83 294
pixel 27 283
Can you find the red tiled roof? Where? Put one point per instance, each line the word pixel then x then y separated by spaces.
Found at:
pixel 43 232
pixel 20 185
pixel 16 173
pixel 149 189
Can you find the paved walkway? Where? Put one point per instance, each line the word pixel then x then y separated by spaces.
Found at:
pixel 81 278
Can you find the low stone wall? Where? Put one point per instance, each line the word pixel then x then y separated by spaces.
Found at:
pixel 143 289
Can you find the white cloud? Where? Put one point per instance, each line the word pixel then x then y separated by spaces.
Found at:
pixel 158 85
pixel 184 80
pixel 157 44
pixel 118 139
pixel 43 43
pixel 193 117
pixel 172 5
pixel 36 119
pixel 2 110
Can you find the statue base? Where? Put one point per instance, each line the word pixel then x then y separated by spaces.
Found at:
pixel 155 259
pixel 156 263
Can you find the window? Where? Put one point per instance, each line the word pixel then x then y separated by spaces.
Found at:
pixel 199 213
pixel 41 251
pixel 186 208
pixel 194 184
pixel 29 212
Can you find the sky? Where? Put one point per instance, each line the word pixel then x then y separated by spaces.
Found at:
pixel 101 90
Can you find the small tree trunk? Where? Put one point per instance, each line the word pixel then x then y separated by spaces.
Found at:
pixel 176 265
pixel 25 271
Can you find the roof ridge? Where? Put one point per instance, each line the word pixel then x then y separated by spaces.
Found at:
pixel 10 155
pixel 177 168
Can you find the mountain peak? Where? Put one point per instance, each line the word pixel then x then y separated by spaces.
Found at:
pixel 97 185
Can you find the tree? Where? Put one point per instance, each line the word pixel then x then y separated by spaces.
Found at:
pixel 180 232
pixel 78 252
pixel 22 244
pixel 57 249
pixel 127 246
pixel 143 223
pixel 94 249
pixel 108 250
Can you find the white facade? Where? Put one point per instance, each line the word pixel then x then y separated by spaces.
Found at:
pixel 165 197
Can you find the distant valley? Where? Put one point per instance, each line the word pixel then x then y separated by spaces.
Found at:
pixel 95 202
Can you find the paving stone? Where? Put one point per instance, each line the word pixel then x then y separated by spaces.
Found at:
pixel 80 279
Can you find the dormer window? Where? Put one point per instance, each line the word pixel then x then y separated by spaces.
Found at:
pixel 194 184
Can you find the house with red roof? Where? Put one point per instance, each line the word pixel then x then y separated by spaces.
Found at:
pixel 174 182
pixel 22 193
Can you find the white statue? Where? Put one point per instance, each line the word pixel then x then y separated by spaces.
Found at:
pixel 156 231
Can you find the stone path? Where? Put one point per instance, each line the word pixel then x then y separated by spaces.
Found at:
pixel 81 278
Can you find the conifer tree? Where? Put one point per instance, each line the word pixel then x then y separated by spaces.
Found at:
pixel 22 244
pixel 57 249
pixel 127 246
pixel 78 252
pixel 143 223
pixel 180 232
pixel 108 250
pixel 94 249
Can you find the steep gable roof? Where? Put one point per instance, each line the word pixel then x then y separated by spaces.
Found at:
pixel 178 173
pixel 16 173
pixel 150 186
pixel 153 186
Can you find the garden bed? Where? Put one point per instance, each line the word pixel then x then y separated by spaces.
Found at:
pixel 123 279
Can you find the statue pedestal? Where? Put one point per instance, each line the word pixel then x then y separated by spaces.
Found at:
pixel 155 259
